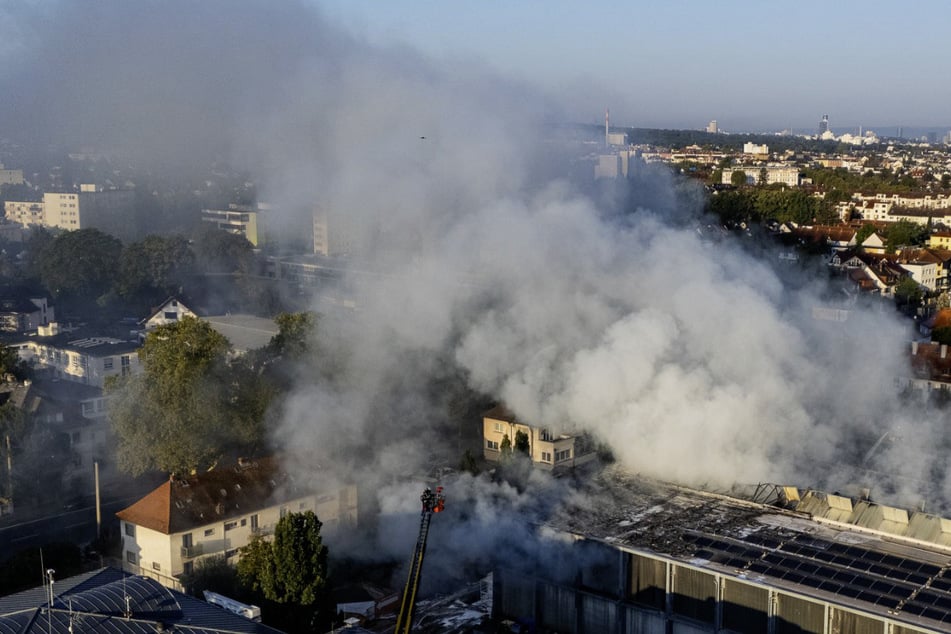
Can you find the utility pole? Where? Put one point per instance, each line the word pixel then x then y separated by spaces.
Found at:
pixel 95 465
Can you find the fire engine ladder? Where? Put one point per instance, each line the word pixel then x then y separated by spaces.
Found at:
pixel 404 622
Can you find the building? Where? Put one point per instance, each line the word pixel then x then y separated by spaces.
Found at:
pixel 633 555
pixel 216 513
pixel 753 148
pixel 547 449
pixel 10 177
pixel 171 311
pixel 240 220
pixel 608 166
pixel 788 176
pixel 333 233
pixel 26 213
pixel 70 356
pixel 824 125
pixel 108 600
pixel 107 210
pixel 24 312
pixel 712 127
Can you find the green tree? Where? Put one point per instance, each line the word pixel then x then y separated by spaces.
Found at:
pixel 864 232
pixel 295 336
pixel 181 413
pixel 909 292
pixel 291 568
pixel 763 177
pixel 904 233
pixel 505 447
pixel 157 263
pixel 942 335
pixel 80 264
pixel 217 251
pixel 521 442
pixel 738 178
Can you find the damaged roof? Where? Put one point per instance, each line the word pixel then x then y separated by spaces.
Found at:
pixel 181 504
pixel 871 557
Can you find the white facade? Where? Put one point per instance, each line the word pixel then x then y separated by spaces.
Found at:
pixel 87 360
pixel 171 312
pixel 24 213
pixel 753 148
pixel 925 273
pixel 786 175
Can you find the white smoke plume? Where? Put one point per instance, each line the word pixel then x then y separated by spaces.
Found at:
pixel 693 359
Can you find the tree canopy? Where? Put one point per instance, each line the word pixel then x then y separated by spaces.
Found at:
pixel 189 406
pixel 291 568
pixel 79 263
pixel 157 263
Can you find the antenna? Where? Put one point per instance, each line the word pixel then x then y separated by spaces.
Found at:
pixel 49 606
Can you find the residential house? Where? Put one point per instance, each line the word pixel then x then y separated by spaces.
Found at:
pixel 110 600
pixel 547 448
pixel 940 240
pixel 930 366
pixel 170 311
pixel 873 244
pixel 217 512
pixel 73 356
pixel 922 265
pixel 21 311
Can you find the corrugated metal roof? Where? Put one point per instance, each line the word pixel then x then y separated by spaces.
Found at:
pixel 878 517
pixel 826 505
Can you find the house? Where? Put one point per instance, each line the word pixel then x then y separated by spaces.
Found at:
pixel 873 244
pixel 930 368
pixel 547 449
pixel 21 311
pixel 170 311
pixel 110 600
pixel 75 356
pixel 217 512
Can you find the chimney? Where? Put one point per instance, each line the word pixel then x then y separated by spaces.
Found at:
pixel 914 348
pixel 944 351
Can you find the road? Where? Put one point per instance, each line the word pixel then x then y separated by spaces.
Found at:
pixel 77 526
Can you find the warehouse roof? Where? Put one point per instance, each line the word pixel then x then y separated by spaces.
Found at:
pixel 866 556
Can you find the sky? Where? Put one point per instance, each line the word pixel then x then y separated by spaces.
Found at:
pixel 750 65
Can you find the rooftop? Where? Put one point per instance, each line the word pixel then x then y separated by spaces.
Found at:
pixel 181 504
pixel 111 601
pixel 870 557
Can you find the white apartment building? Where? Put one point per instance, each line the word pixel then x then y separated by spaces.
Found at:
pixel 217 512
pixel 10 177
pixel 788 176
pixel 72 357
pixel 753 148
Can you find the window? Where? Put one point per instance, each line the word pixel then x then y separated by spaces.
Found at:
pixel 187 540
pixel 231 553
pixel 545 435
pixel 254 522
pixel 244 522
pixel 491 444
pixel 499 428
pixel 189 567
pixel 107 363
pixel 130 529
pixel 302 506
pixel 230 525
pixel 546 456
pixel 209 532
pixel 156 566
pixel 130 557
pixel 171 315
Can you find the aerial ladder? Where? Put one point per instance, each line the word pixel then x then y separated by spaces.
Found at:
pixel 432 503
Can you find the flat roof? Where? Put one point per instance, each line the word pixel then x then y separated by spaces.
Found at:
pixel 867 570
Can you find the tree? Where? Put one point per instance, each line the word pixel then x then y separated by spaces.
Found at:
pixel 763 177
pixel 904 233
pixel 293 567
pixel 908 291
pixel 295 335
pixel 942 335
pixel 505 447
pixel 738 178
pixel 521 442
pixel 218 251
pixel 181 414
pixel 864 232
pixel 80 264
pixel 157 263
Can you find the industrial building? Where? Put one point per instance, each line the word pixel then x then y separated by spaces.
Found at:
pixel 633 555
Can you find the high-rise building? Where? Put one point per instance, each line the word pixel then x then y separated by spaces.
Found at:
pixel 712 127
pixel 824 124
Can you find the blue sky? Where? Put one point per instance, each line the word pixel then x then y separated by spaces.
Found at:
pixel 679 63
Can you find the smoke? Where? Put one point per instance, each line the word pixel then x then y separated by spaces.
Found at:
pixel 691 357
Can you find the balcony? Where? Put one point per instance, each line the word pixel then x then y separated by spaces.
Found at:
pixel 189 552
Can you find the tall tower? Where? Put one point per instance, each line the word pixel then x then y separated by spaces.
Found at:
pixel 607 125
pixel 824 124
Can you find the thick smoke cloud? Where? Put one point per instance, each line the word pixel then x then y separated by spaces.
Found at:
pixel 691 358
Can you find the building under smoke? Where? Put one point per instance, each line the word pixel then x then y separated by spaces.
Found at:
pixel 641 556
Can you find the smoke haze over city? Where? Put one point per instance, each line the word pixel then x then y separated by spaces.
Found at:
pixel 689 357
